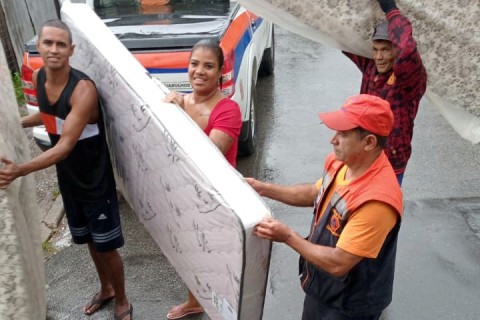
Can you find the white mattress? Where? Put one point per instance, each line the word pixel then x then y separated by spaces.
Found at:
pixel 193 203
pixel 447 34
pixel 22 275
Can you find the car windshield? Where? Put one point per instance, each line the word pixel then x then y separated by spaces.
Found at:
pixel 157 12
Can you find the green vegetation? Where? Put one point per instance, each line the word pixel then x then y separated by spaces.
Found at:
pixel 55 194
pixel 17 85
pixel 48 247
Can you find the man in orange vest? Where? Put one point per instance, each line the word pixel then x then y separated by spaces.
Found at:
pixel 348 260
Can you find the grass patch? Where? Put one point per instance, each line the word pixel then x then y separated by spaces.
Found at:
pixel 47 246
pixel 17 85
pixel 55 194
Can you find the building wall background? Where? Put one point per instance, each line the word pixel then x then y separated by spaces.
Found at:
pixel 20 20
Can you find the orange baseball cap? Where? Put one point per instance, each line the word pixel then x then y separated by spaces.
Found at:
pixel 364 110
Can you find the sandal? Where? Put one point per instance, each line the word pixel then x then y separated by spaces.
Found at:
pixel 177 312
pixel 100 302
pixel 126 313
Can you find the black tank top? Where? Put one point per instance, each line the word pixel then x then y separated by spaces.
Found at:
pixel 86 173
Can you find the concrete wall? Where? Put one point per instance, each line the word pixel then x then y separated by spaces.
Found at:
pixel 22 274
pixel 23 19
pixel 7 43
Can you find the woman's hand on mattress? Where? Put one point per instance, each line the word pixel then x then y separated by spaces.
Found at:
pixel 175 97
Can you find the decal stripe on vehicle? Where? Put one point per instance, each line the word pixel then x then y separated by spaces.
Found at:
pixel 167 70
pixel 238 36
pixel 165 60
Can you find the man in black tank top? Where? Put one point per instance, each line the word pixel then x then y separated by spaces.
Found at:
pixel 69 109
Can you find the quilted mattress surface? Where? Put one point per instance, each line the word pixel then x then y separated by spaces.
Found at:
pixel 194 204
pixel 447 34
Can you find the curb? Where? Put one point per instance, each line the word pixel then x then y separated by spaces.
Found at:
pixel 50 222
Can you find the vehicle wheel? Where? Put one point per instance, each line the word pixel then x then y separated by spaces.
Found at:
pixel 268 60
pixel 248 146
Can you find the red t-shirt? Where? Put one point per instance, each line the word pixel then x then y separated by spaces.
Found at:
pixel 226 117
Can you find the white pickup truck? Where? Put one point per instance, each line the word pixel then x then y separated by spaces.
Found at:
pixel 160 35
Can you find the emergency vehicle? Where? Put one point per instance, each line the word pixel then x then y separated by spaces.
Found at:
pixel 160 35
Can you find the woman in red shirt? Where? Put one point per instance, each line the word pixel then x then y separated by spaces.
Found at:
pixel 218 116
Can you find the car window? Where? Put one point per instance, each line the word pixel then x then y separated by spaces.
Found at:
pixel 152 12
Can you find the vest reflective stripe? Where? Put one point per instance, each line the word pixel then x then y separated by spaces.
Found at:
pixel 340 204
pixel 54 125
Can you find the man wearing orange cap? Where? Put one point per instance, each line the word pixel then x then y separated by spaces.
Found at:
pixel 395 73
pixel 347 262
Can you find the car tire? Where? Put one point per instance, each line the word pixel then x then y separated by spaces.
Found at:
pixel 268 60
pixel 248 146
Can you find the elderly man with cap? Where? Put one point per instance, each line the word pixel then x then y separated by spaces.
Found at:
pixel 347 262
pixel 396 74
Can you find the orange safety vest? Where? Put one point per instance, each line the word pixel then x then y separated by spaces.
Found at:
pixel 367 288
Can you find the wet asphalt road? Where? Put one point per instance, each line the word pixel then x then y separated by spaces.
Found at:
pixel 438 260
